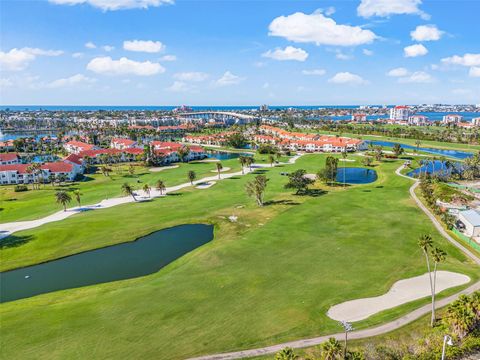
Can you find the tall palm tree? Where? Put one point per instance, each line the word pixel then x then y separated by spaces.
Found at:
pixel 271 160
pixel 63 198
pixel 219 168
pixel 160 186
pixel 331 349
pixel 242 160
pixel 127 189
pixel 438 256
pixel 191 175
pixel 147 189
pixel 425 242
pixel 78 196
pixel 249 161
pixel 344 156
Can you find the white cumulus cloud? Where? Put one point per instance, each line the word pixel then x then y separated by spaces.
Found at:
pixel 426 33
pixel 194 76
pixel 179 86
pixel 367 52
pixel 113 5
pixel 415 50
pixel 168 58
pixel 398 72
pixel 147 46
pixel 124 66
pixel 72 80
pixel 18 59
pixel 289 53
pixel 318 29
pixel 317 72
pixel 465 60
pixel 385 8
pixel 90 45
pixel 347 78
pixel 474 71
pixel 417 77
pixel 228 78
pixel 108 48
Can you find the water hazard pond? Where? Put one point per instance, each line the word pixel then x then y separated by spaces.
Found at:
pixel 354 175
pixel 144 256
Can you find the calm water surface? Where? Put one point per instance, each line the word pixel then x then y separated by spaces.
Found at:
pixel 145 256
pixel 354 175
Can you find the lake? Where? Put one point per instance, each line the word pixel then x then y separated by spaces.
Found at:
pixel 442 152
pixel 354 175
pixel 225 155
pixel 144 256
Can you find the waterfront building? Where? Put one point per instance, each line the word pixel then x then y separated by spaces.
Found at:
pixel 452 119
pixel 400 112
pixel 359 117
pixel 418 120
pixel 476 121
pixel 169 151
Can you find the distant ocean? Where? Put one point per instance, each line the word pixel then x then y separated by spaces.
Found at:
pixel 167 108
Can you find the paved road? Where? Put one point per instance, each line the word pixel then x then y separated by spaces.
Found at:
pixel 375 331
pixel 6 229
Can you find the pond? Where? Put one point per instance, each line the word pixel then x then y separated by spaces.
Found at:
pixel 354 175
pixel 442 152
pixel 225 155
pixel 437 167
pixel 144 256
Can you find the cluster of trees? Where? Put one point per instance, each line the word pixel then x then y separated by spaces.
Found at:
pixel 237 140
pixel 461 321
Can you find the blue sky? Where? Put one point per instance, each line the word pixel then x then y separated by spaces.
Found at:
pixel 166 52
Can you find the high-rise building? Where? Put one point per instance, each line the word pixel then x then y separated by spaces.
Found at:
pixel 400 112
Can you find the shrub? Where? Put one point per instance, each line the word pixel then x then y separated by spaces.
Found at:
pixel 20 188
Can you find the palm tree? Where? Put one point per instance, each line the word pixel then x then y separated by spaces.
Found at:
pixel 242 160
pixel 344 156
pixel 331 349
pixel 438 256
pixel 127 189
pixel 286 354
pixel 147 189
pixel 78 195
pixel 271 160
pixel 191 176
pixel 425 242
pixel 63 198
pixel 160 186
pixel 219 168
pixel 249 161
pixel 417 143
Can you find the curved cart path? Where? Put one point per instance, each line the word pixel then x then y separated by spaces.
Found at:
pixel 7 229
pixel 374 331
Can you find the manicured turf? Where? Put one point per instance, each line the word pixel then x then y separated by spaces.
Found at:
pixel 268 278
pixel 34 204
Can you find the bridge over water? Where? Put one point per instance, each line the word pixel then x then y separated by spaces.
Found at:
pixel 227 116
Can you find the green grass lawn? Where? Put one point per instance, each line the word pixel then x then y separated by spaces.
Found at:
pixel 34 204
pixel 268 278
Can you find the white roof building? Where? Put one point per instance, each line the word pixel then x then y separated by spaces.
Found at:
pixel 469 223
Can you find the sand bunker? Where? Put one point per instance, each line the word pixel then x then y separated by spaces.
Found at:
pixel 403 291
pixel 161 168
pixel 223 170
pixel 205 185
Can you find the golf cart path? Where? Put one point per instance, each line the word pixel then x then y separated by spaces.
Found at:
pixel 374 331
pixel 7 229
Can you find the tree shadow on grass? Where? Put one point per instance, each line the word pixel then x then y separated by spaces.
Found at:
pixel 280 202
pixel 259 172
pixel 312 193
pixel 174 194
pixel 233 178
pixel 14 241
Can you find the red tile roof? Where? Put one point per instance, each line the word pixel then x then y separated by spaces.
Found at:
pixel 8 156
pixel 80 145
pixel 76 159
pixel 126 142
